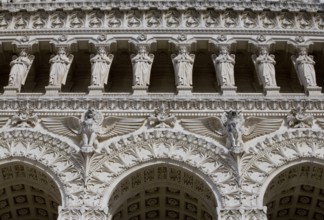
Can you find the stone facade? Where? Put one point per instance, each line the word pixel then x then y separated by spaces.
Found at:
pixel 129 110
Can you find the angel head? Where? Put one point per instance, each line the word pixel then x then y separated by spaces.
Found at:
pixel 263 51
pixel 89 114
pixel 23 53
pixel 231 114
pixel 183 50
pixel 61 51
pixel 101 51
pixel 302 51
pixel 223 50
pixel 142 50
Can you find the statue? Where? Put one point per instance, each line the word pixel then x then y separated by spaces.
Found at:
pixel 100 66
pixel 224 65
pixel 304 66
pixel 264 65
pixel 142 64
pixel 92 129
pixel 183 65
pixel 20 67
pixel 232 129
pixel 60 65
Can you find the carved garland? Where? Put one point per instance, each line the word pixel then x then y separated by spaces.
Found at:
pixel 138 149
pixel 272 154
pixel 48 151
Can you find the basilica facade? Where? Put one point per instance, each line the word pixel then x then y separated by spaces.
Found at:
pixel 148 109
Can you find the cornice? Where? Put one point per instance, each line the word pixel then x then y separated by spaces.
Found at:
pixel 147 4
pixel 143 106
pixel 193 21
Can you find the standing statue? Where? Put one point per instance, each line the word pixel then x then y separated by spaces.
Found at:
pixel 183 65
pixel 60 65
pixel 264 65
pixel 142 64
pixel 20 67
pixel 100 66
pixel 304 66
pixel 224 66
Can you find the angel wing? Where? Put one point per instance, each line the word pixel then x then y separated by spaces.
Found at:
pixel 110 57
pixel 3 121
pixel 14 57
pixel 254 59
pixel 210 127
pixel 149 75
pixel 320 123
pixel 114 126
pixel 67 126
pixel 31 58
pixel 294 59
pixel 70 57
pixel 254 127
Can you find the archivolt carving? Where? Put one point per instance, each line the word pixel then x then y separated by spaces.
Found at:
pixel 160 145
pixel 272 155
pixel 48 151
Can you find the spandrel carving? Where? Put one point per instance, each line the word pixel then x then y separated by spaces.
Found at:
pixel 162 118
pixel 298 118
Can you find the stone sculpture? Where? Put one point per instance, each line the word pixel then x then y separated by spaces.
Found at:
pixel 224 66
pixel 264 65
pixel 100 66
pixel 92 128
pixel 304 66
pixel 232 127
pixel 20 67
pixel 183 65
pixel 162 118
pixel 298 118
pixel 142 64
pixel 60 65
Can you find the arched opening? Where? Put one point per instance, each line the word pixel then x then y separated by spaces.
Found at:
pixel 296 193
pixel 27 192
pixel 162 191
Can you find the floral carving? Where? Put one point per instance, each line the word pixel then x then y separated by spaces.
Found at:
pixel 5 19
pixel 172 18
pixel 268 19
pixel 298 118
pixel 211 18
pixel 192 18
pixel 58 19
pixel 133 18
pixel 77 19
pixel 249 19
pixel 39 20
pixel 304 20
pixel 287 20
pixel 115 18
pixel 162 118
pixel 21 21
pixel 230 19
pixel 153 18
pixel 95 19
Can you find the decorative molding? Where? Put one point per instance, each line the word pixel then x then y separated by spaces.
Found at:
pixel 125 20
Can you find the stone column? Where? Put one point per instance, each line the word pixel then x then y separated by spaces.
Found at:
pixel 304 66
pixel 242 214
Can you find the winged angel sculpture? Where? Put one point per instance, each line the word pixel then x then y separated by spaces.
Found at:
pixel 92 128
pixel 232 127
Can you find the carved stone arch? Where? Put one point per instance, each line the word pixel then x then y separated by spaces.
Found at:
pixel 153 146
pixel 48 153
pixel 274 155
pixel 208 192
